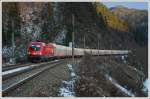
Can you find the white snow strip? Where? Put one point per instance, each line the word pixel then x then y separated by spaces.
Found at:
pixel 70 67
pixel 145 84
pixel 23 68
pixel 123 58
pixel 119 86
pixel 56 60
pixel 65 82
pixel 71 70
pixel 65 92
pixel 73 74
pixel 14 70
pixel 18 69
pixel 67 89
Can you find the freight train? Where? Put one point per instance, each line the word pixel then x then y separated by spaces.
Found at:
pixel 40 51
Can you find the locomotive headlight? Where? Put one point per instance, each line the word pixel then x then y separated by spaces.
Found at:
pixel 40 53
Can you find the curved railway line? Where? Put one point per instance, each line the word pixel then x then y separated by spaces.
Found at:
pixel 15 77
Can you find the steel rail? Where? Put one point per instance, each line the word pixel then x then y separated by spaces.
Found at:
pixel 13 72
pixel 23 80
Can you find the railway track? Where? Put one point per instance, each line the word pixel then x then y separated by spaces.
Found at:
pixel 9 67
pixel 20 69
pixel 15 77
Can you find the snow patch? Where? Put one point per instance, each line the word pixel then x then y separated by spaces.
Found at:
pixel 56 60
pixel 14 70
pixel 70 67
pixel 67 89
pixel 65 92
pixel 7 51
pixel 61 36
pixel 73 74
pixel 124 58
pixel 7 55
pixel 145 86
pixel 128 92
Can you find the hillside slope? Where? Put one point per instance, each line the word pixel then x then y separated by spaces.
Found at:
pixel 137 19
pixel 91 25
pixel 111 20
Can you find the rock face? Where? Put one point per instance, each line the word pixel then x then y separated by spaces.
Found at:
pixel 28 22
pixel 31 19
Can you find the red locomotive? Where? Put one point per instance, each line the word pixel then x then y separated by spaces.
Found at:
pixel 40 51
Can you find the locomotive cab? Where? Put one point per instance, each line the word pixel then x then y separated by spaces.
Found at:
pixel 40 51
pixel 35 50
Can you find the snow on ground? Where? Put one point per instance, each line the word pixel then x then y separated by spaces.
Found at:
pixel 61 36
pixel 128 92
pixel 65 92
pixel 124 58
pixel 67 88
pixel 145 86
pixel 7 51
pixel 7 55
pixel 19 69
pixel 56 60
pixel 15 70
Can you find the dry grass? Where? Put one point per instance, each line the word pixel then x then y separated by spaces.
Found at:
pixel 92 81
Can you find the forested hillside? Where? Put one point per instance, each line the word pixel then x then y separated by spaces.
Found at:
pixel 137 20
pixel 110 19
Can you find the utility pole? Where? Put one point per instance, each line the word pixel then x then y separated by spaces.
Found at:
pixel 72 39
pixel 84 41
pixel 98 43
pixel 13 43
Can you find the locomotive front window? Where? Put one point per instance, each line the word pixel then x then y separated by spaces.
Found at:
pixel 35 47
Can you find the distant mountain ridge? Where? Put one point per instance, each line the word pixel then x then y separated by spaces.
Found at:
pixel 119 7
pixel 123 7
pixel 137 19
pixel 110 19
